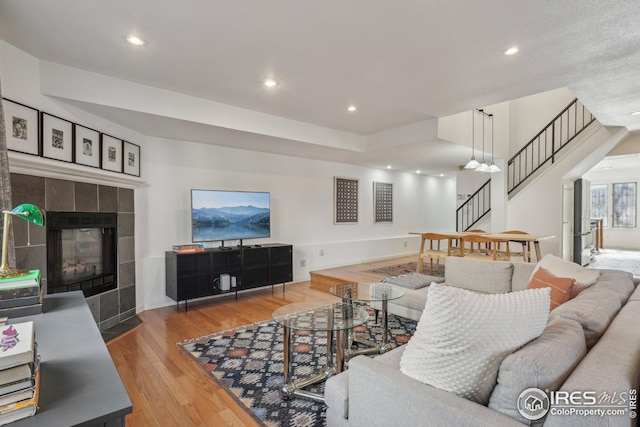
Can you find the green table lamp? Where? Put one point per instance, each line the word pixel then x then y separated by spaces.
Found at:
pixel 26 211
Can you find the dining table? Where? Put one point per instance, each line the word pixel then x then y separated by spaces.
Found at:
pixel 494 237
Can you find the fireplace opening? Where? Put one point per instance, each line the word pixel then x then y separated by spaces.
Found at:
pixel 81 252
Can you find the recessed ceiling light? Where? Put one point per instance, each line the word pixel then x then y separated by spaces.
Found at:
pixel 351 108
pixel 270 83
pixel 135 40
pixel 635 113
pixel 418 171
pixel 511 51
pixel 388 166
pixel 441 174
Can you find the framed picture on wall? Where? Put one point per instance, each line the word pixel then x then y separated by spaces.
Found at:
pixel 86 146
pixel 345 200
pixel 22 127
pixel 111 153
pixel 131 159
pixel 57 138
pixel 382 202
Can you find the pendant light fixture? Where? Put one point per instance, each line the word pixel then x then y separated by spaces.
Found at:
pixel 492 167
pixel 473 163
pixel 484 167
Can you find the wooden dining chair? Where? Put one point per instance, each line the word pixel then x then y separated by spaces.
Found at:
pixel 435 247
pixel 485 247
pixel 481 253
pixel 526 246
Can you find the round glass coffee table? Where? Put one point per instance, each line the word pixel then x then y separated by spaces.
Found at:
pixel 368 292
pixel 313 316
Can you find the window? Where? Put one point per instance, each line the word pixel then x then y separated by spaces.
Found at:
pixel 599 203
pixel 624 205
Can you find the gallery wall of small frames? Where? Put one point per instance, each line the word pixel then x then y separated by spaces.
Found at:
pixel 41 134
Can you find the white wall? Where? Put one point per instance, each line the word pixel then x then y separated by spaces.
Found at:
pixel 630 145
pixel 301 202
pixel 301 192
pixel 466 129
pixel 20 78
pixel 529 115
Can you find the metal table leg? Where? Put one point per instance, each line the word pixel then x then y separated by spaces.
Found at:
pixel 290 389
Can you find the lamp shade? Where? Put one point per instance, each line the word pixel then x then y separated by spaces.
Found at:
pixel 493 168
pixel 25 211
pixel 473 164
pixel 484 167
pixel 30 213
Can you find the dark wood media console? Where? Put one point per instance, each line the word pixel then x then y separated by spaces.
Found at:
pixel 198 274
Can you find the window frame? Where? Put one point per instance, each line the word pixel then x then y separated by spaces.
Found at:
pixel 635 205
pixel 605 217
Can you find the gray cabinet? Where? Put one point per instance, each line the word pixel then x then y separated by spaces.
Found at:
pixel 79 383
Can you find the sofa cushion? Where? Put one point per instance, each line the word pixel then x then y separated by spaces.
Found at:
pixel 635 295
pixel 612 367
pixel 410 305
pixel 543 363
pixel 560 286
pixel 492 277
pixel 619 283
pixel 413 280
pixel 562 268
pixel 522 272
pixel 593 309
pixel 462 337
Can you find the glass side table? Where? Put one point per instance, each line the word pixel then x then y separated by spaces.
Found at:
pixel 314 316
pixel 368 292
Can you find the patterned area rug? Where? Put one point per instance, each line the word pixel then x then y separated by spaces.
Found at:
pixel 407 267
pixel 248 363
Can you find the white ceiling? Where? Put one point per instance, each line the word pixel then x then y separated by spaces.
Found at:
pixel 400 63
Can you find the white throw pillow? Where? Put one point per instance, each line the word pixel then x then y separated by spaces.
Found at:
pixel 463 337
pixel 562 268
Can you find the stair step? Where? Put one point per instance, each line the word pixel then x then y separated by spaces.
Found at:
pixel 323 282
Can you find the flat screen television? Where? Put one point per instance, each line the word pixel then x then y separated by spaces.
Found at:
pixel 219 215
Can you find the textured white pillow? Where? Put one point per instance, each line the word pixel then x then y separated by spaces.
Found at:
pixel 562 268
pixel 463 337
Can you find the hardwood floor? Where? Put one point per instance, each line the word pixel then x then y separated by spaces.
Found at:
pixel 324 279
pixel 167 388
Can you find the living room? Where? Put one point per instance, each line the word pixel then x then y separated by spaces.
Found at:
pixel 194 143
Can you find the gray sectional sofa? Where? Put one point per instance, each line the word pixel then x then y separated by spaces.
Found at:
pixel 589 351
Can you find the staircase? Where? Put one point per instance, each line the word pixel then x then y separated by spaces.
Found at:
pixel 541 150
pixel 475 208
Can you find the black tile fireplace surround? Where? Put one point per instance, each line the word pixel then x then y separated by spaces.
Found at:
pixel 81 252
pixel 111 307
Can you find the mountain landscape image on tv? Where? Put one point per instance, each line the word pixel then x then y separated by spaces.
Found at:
pixel 218 215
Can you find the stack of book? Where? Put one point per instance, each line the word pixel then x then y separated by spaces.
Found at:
pixel 21 296
pixel 188 249
pixel 19 372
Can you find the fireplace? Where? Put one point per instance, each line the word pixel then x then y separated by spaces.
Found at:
pixel 81 252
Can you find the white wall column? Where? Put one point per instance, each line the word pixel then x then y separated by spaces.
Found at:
pixel 499 198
